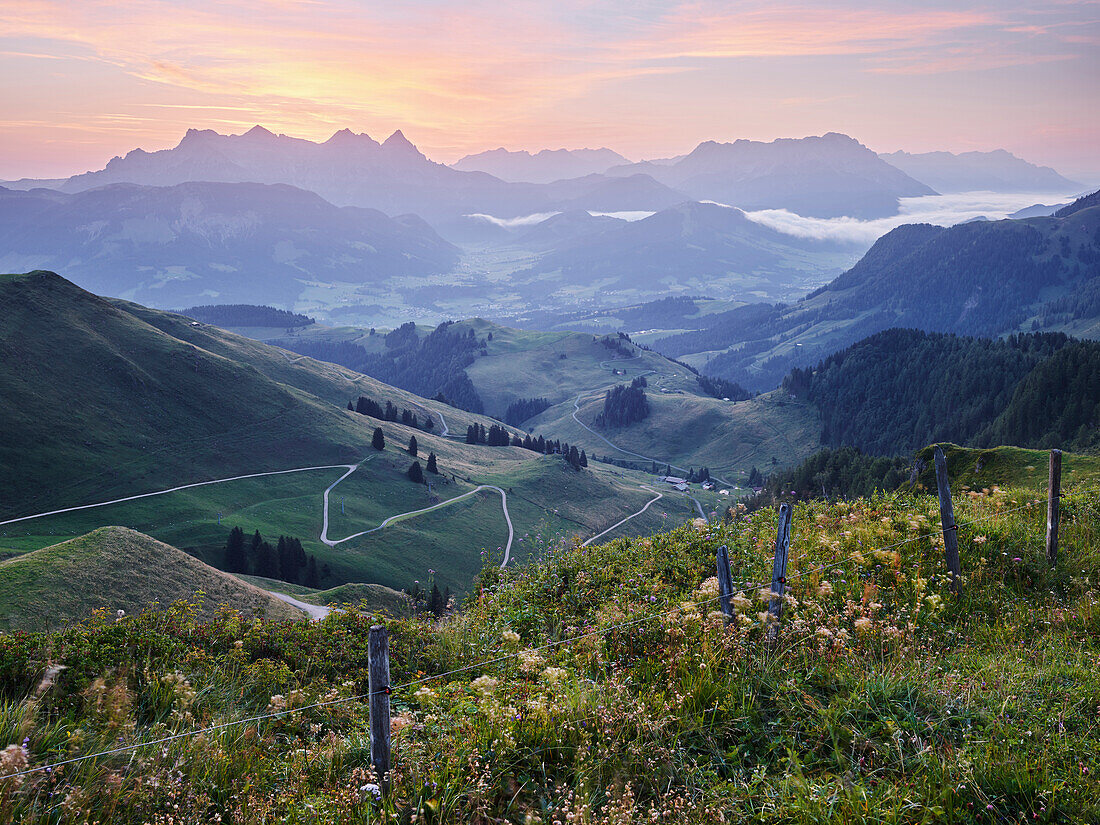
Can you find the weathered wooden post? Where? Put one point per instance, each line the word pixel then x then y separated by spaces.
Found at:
pixel 1054 496
pixel 725 582
pixel 379 690
pixel 947 521
pixel 779 570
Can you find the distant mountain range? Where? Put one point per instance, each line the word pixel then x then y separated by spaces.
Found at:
pixel 197 243
pixel 980 278
pixel 996 171
pixel 546 166
pixel 828 176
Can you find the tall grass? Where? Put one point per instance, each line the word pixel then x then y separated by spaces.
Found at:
pixel 622 697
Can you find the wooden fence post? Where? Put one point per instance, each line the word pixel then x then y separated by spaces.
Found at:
pixel 725 582
pixel 379 689
pixel 947 520
pixel 1054 496
pixel 779 570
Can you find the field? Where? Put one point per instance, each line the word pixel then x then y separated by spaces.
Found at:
pixel 599 685
pixel 695 431
pixel 546 500
pixel 687 428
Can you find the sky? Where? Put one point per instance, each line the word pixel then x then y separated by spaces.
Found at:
pixel 84 80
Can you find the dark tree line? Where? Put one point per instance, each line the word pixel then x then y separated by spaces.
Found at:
pixel 430 366
pixel 623 405
pixel 368 406
pixel 721 388
pixel 523 408
pixel 247 315
pixel 497 436
pixel 836 474
pixel 286 561
pixel 901 389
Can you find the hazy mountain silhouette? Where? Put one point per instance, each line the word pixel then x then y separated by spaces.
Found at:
pixel 997 171
pixel 210 242
pixel 828 176
pixel 546 166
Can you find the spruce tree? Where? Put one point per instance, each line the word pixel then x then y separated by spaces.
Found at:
pixel 253 552
pixel 235 560
pixel 312 578
pixel 432 468
pixel 413 446
pixel 584 459
pixel 378 440
pixel 266 561
pixel 351 406
pixel 415 473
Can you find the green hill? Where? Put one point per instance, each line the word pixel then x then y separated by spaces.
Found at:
pixel 688 427
pixel 115 568
pixel 108 400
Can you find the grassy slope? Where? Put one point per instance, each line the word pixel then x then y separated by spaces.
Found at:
pixel 138 400
pixel 113 399
pixel 693 431
pixel 687 427
pixel 885 700
pixel 116 568
pixel 370 597
pixel 974 469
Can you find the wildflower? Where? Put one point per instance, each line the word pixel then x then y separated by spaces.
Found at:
pixel 825 589
pixel 373 790
pixel 425 695
pixel 529 661
pixel 764 617
pixel 554 674
pixel 935 603
pixel 766 595
pixel 980 539
pixel 510 637
pixel 14 759
pixel 485 685
pixel 863 624
pixel 119 614
pixel 740 603
pixel 708 590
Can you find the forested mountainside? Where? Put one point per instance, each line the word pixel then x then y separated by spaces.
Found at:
pixel 983 278
pixel 432 366
pixel 901 389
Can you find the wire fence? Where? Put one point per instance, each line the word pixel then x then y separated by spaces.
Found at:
pixel 739 587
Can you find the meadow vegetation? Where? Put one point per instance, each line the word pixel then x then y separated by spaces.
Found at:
pixel 601 685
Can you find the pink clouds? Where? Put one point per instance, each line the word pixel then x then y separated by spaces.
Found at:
pixel 459 76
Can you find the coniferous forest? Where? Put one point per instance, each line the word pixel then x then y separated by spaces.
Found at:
pixel 901 389
pixel 430 366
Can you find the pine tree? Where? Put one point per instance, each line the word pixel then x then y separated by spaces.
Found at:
pixel 378 440
pixel 413 447
pixel 351 406
pixel 584 459
pixel 432 468
pixel 415 473
pixel 285 563
pixel 253 552
pixel 312 578
pixel 235 560
pixel 435 605
pixel 266 561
